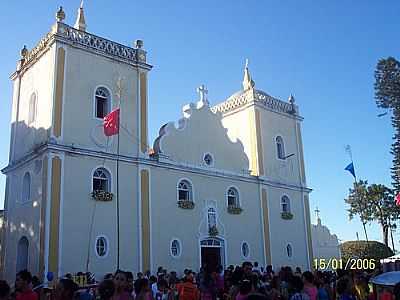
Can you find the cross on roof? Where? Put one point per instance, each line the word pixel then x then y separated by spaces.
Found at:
pixel 203 93
pixel 317 211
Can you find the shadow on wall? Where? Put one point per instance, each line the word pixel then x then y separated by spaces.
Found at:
pixel 21 224
pixel 26 139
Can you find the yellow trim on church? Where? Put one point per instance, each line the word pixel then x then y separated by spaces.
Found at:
pixel 267 238
pixel 54 214
pixel 260 152
pixel 308 224
pixel 144 194
pixel 42 232
pixel 257 162
pixel 143 112
pixel 57 117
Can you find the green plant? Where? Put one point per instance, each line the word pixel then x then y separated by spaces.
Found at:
pixel 234 210
pixel 363 249
pixel 286 215
pixel 100 195
pixel 184 204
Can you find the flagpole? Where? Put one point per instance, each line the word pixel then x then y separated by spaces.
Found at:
pixel 119 93
pixel 348 149
pixel 117 182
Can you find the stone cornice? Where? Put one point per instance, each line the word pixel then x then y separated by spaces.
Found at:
pixel 87 41
pixel 259 98
pixel 52 147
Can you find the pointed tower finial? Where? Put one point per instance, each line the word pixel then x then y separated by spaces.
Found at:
pixel 248 83
pixel 60 15
pixel 80 23
pixel 291 99
pixel 203 95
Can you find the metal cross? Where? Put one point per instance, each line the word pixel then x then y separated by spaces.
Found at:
pixel 203 93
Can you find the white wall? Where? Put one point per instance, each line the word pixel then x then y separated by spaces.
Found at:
pixel 37 79
pixel 23 217
pixel 84 72
pixel 77 208
pixel 169 221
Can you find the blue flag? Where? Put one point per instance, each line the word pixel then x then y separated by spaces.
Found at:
pixel 350 168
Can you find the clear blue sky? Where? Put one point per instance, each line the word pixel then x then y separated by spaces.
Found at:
pixel 324 52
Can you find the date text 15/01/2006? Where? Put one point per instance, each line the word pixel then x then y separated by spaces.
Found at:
pixel 350 264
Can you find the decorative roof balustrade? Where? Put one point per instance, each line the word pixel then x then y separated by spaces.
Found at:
pixel 82 39
pixel 244 97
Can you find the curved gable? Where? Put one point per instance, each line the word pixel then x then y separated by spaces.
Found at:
pixel 200 131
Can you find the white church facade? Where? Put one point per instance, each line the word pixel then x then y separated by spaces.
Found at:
pixel 325 244
pixel 224 184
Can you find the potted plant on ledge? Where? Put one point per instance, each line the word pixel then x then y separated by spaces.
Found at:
pixel 185 204
pixel 101 195
pixel 286 215
pixel 234 210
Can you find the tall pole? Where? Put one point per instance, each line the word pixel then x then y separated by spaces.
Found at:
pixel 119 95
pixel 348 149
pixel 391 236
pixel 117 202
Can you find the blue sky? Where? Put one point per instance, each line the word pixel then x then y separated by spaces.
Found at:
pixel 324 52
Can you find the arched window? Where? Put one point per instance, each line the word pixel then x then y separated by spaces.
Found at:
pixel 233 197
pixel 289 250
pixel 26 187
pixel 175 248
pixel 101 180
pixel 185 191
pixel 102 102
pixel 101 246
pixel 285 204
pixel 32 109
pixel 211 217
pixel 280 147
pixel 22 254
pixel 245 250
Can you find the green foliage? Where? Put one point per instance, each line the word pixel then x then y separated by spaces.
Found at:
pixel 373 202
pixel 362 249
pixel 387 96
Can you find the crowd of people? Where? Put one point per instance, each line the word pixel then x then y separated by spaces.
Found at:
pixel 246 282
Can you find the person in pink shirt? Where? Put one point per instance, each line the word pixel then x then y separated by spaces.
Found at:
pixel 309 288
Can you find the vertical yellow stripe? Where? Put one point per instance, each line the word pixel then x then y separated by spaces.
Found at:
pixel 308 226
pixel 257 163
pixel 55 214
pixel 59 92
pixel 267 240
pixel 42 223
pixel 143 112
pixel 260 153
pixel 144 188
pixel 300 141
pixel 253 145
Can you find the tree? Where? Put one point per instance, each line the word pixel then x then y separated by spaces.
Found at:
pixel 373 202
pixel 362 249
pixel 387 96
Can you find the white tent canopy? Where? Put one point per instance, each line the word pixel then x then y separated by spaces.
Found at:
pixel 390 259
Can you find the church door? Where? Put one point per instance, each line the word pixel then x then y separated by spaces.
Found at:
pixel 212 253
pixel 22 254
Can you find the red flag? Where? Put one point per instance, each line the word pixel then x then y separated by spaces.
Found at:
pixel 111 123
pixel 397 199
